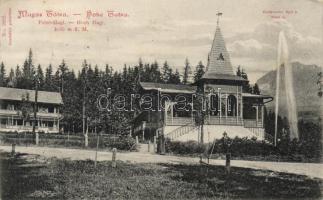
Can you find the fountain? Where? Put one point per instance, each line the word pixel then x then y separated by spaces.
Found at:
pixel 282 61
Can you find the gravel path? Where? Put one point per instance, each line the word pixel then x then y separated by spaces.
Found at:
pixel 308 169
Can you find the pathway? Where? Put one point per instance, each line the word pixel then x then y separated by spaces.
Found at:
pixel 308 169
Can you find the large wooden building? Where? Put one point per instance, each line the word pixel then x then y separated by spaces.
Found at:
pixel 12 118
pixel 228 108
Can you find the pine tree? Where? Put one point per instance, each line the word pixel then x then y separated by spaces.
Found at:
pixel 256 89
pixel 41 77
pixel 246 87
pixel 166 73
pixel 175 78
pixel 63 69
pixel 2 75
pixel 199 71
pixel 27 80
pixel 11 79
pixel 239 71
pixel 187 72
pixel 48 82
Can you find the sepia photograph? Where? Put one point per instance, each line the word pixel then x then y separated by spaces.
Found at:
pixel 163 99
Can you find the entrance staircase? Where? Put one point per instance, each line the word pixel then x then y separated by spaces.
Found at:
pixel 191 132
pixel 180 131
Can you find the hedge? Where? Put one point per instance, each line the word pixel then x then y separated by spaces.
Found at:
pixel 47 139
pixel 251 148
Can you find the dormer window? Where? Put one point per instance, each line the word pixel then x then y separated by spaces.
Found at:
pixel 220 57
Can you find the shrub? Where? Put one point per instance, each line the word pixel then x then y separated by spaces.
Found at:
pixel 190 147
pixel 121 143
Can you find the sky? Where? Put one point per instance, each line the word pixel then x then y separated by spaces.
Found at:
pixel 160 30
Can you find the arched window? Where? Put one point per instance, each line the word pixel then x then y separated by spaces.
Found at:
pixel 214 104
pixel 232 105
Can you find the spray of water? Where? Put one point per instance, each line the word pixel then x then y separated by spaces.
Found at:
pixel 282 60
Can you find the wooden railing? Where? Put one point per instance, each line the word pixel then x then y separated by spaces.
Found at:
pixel 214 120
pixel 209 120
pixel 39 114
pixel 21 128
pixel 251 123
pixel 179 121
pixel 185 129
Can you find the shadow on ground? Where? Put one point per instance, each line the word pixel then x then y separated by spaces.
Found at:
pixel 21 179
pixel 34 177
pixel 246 182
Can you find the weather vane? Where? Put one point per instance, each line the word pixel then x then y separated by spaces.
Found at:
pixel 218 14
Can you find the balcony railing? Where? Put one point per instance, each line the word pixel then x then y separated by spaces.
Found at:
pixel 39 114
pixel 252 123
pixel 27 128
pixel 233 121
pixel 179 121
pixel 211 120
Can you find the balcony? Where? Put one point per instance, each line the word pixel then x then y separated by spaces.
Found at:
pixel 9 113
pixel 20 128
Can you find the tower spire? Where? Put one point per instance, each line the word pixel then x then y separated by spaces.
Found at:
pixel 218 14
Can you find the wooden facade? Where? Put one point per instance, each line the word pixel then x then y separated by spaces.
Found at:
pixel 11 116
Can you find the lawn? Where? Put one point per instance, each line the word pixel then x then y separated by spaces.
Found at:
pixel 34 177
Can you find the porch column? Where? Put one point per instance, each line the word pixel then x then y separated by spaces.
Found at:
pixel 226 105
pixel 220 106
pixel 257 116
pixel 165 113
pixel 172 112
pixel 241 107
pixel 143 130
pixel 192 116
pixel 262 115
pixel 237 106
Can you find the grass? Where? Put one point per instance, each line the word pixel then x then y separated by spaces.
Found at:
pixel 34 177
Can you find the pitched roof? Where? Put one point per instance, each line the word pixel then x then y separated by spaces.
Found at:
pixel 17 94
pixel 168 88
pixel 258 96
pixel 219 64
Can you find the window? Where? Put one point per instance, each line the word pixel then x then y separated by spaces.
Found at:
pixel 220 57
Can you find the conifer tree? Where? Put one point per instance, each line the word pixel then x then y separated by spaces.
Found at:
pixel 187 72
pixel 11 79
pixel 199 71
pixel 2 75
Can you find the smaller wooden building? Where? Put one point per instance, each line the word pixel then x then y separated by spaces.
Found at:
pixel 11 116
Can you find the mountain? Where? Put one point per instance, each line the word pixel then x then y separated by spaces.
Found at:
pixel 306 88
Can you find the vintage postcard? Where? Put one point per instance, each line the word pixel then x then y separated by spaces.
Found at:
pixel 163 99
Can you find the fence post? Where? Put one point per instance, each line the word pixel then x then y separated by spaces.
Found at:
pixel 13 149
pixel 162 144
pixel 148 145
pixel 114 155
pixel 155 138
pixel 227 163
pixel 37 138
pixel 86 138
pixel 137 140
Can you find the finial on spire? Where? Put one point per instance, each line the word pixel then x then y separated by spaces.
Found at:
pixel 218 14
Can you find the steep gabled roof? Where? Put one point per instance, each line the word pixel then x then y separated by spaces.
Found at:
pixel 17 95
pixel 169 88
pixel 219 65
